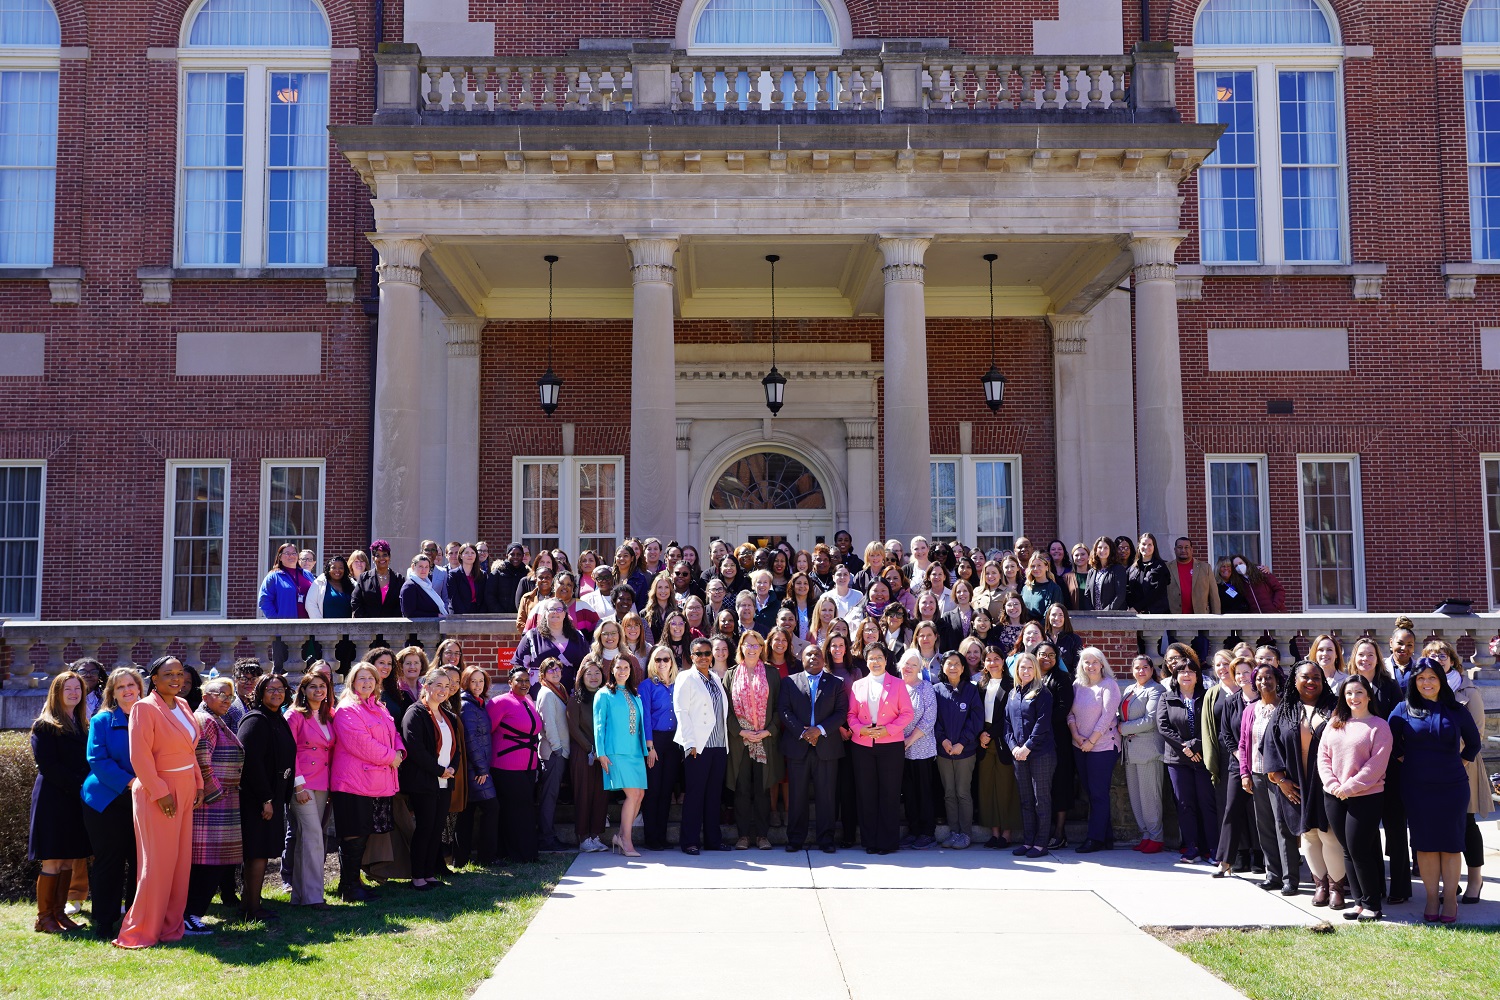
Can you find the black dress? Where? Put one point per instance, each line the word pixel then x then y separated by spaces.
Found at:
pixel 270 758
pixel 57 796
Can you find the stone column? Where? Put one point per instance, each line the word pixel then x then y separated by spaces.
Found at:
pixel 653 394
pixel 1161 450
pixel 395 488
pixel 684 482
pixel 462 487
pixel 1070 410
pixel 908 448
pixel 859 445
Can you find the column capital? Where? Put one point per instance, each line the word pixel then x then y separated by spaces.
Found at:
pixel 651 258
pixel 683 429
pixel 903 257
pixel 1155 255
pixel 859 433
pixel 400 258
pixel 464 334
pixel 1068 332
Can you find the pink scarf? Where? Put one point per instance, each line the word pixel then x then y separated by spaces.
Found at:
pixel 749 696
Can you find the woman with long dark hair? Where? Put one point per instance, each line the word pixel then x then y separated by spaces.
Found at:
pixel 1352 762
pixel 481 809
pixel 283 591
pixel 1180 725
pixel 1148 578
pixel 265 786
pixel 311 722
pixel 588 777
pixel 1291 758
pixel 1367 661
pixel 59 741
pixel 426 775
pixel 1237 835
pixel 332 593
pixel 625 748
pixel 879 711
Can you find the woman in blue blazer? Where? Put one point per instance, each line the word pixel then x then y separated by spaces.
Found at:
pixel 960 717
pixel 106 806
pixel 1029 735
pixel 624 745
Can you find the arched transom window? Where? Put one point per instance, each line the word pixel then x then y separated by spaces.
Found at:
pixel 765 25
pixel 767 480
pixel 29 57
pixel 253 189
pixel 1273 190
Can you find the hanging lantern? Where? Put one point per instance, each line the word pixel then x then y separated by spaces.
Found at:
pixel 549 386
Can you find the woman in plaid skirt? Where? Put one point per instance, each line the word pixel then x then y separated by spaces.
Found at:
pixel 216 823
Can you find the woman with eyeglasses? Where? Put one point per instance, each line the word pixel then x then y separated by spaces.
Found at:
pixel 1180 725
pixel 656 702
pixel 1481 801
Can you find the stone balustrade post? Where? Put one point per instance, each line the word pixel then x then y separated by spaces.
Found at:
pixel 398 89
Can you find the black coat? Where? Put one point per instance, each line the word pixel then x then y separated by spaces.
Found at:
pixel 420 771
pixel 794 708
pixel 56 797
pixel 951 629
pixel 1229 712
pixel 1180 730
pixel 1106 589
pixel 1281 750
pixel 270 758
pixel 1148 586
pixel 464 602
pixel 504 586
pixel 416 604
pixel 367 602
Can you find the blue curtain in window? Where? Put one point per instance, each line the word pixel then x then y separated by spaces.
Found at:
pixel 1482 111
pixel 213 175
pixel 1229 223
pixel 28 167
pixel 28 22
pixel 763 22
pixel 1262 22
pixel 260 24
pixel 1309 166
pixel 1482 23
pixel 297 223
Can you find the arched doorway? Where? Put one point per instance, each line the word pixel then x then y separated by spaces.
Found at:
pixel 765 497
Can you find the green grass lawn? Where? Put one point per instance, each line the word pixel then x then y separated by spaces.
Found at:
pixel 1392 962
pixel 404 945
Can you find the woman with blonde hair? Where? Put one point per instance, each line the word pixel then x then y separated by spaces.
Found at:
pixel 57 837
pixel 609 644
pixel 754 757
pixel 1027 732
pixel 106 800
pixel 1093 722
pixel 1040 590
pixel 367 751
pixel 656 701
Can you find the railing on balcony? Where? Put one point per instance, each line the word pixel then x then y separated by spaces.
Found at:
pixel 656 78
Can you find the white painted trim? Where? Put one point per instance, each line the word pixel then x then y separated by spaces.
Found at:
pixel 14 57
pixel 169 495
pixel 968 498
pixel 1265 500
pixel 567 496
pixel 192 14
pixel 41 530
pixel 266 464
pixel 1328 12
pixel 687 25
pixel 1489 566
pixel 1356 507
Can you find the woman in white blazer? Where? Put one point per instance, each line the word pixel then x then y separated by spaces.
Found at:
pixel 702 708
pixel 879 711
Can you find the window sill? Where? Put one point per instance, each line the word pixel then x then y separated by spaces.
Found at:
pixel 156 282
pixel 66 282
pixel 1365 279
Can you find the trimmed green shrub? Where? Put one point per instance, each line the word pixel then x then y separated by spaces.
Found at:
pixel 17 773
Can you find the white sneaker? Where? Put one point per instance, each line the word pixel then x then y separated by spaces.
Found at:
pixel 72 908
pixel 591 845
pixel 195 926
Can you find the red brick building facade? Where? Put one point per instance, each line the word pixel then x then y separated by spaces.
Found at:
pixel 1347 404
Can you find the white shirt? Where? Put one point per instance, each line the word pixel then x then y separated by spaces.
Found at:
pixel 182 719
pixel 850 604
pixel 445 746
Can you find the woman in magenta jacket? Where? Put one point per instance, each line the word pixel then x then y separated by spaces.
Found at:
pixel 367 750
pixel 516 736
pixel 879 711
pixel 311 722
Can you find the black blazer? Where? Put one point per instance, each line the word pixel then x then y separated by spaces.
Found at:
pixel 1179 733
pixel 1106 589
pixel 1229 712
pixel 1281 750
pixel 794 708
pixel 951 629
pixel 458 593
pixel 367 602
pixel 420 771
pixel 1148 586
pixel 270 757
pixel 504 587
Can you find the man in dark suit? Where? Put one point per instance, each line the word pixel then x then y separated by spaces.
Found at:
pixel 378 592
pixel 812 705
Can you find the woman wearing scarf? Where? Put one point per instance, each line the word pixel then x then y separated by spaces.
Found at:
pixel 554 635
pixel 419 599
pixel 516 729
pixel 283 593
pixel 754 758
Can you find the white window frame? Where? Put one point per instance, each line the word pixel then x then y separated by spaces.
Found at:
pixel 567 496
pixel 41 531
pixel 1356 507
pixel 1265 501
pixel 1476 57
pixel 257 64
pixel 43 59
pixel 169 497
pixel 266 465
pixel 1266 61
pixel 838 21
pixel 967 477
pixel 1489 565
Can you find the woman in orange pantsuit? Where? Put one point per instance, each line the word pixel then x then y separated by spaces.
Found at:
pixel 167 787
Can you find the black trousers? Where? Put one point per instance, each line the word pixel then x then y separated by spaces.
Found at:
pixel 113 875
pixel 847 801
pixel 485 814
pixel 660 781
pixel 430 810
pixel 1473 843
pixel 919 783
pixel 878 772
pixel 752 799
pixel 1397 839
pixel 1355 821
pixel 203 882
pixel 1237 828
pixel 1281 846
pixel 703 781
pixel 516 792
pixel 811 773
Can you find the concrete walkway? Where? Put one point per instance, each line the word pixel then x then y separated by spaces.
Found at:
pixel 850 926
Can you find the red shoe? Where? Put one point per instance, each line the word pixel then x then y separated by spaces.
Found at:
pixel 1141 846
pixel 1152 847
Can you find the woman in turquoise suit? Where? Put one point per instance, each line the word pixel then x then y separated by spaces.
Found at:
pixel 623 742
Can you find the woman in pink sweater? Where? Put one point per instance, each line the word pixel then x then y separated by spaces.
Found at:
pixel 367 750
pixel 1352 758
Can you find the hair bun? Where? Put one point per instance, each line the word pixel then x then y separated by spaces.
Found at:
pixel 1406 623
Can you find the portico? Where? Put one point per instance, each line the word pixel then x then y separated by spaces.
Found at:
pixel 875 223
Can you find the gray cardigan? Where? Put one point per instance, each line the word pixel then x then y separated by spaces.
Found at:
pixel 1139 708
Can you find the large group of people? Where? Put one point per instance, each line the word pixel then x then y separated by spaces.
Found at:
pixel 842 696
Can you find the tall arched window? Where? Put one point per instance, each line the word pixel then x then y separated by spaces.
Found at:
pixel 1481 39
pixel 765 25
pixel 253 189
pixel 30 50
pixel 1273 190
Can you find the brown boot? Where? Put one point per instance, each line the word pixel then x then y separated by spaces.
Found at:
pixel 1320 893
pixel 46 923
pixel 1336 892
pixel 60 901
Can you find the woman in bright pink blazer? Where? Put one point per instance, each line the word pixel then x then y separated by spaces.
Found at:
pixel 879 711
pixel 311 723
pixel 366 752
pixel 516 735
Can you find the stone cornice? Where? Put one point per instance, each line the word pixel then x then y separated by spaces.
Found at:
pixel 795 370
